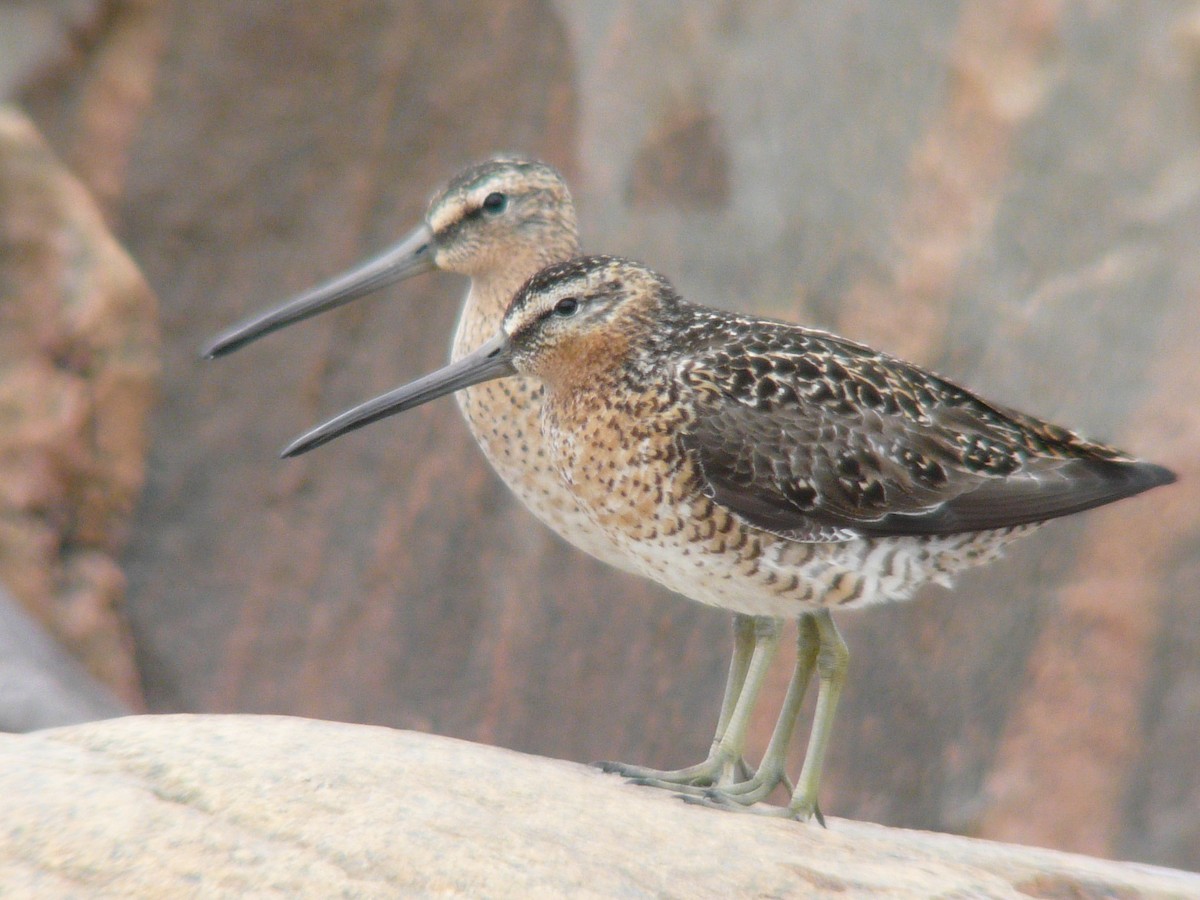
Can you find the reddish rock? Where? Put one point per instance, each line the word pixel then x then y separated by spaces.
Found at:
pixel 78 368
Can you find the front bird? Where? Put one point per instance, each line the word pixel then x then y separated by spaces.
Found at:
pixel 767 469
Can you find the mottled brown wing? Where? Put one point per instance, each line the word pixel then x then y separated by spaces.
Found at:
pixel 827 440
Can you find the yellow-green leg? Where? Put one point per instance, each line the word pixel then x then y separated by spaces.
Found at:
pixel 832 661
pixel 756 639
pixel 771 772
pixel 820 647
pixel 744 637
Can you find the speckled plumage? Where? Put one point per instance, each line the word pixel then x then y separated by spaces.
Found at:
pixel 776 471
pixel 768 468
pixel 499 254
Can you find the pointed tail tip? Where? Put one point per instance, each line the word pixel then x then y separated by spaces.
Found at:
pixel 1155 475
pixel 1139 476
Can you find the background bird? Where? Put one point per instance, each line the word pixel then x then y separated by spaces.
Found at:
pixel 498 223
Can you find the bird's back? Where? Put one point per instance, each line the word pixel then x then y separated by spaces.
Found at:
pixel 812 436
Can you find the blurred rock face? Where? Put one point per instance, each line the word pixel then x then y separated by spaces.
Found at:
pixel 78 368
pixel 1010 194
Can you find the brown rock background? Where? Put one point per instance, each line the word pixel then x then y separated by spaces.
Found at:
pixel 78 368
pixel 1009 193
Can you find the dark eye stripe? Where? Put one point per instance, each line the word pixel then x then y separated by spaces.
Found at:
pixel 493 204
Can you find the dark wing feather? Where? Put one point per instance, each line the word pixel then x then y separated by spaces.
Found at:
pixel 1047 492
pixel 815 438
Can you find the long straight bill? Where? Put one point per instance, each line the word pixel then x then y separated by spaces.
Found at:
pixel 492 360
pixel 407 258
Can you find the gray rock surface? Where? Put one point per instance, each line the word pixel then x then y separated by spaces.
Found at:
pixel 41 685
pixel 36 34
pixel 200 806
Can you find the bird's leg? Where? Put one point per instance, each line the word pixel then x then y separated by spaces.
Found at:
pixel 756 639
pixel 832 660
pixel 771 770
pixel 743 649
pixel 724 760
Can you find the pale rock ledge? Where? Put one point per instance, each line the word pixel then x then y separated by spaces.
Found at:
pixel 204 806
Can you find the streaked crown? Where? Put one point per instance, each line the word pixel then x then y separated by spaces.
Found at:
pixel 588 310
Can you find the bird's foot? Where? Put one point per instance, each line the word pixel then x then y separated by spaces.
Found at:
pixel 714 772
pixel 751 790
pixel 719 799
pixel 744 796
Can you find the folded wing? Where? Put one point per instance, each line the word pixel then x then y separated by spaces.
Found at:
pixel 815 438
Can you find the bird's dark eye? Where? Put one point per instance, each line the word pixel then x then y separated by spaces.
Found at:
pixel 566 307
pixel 495 203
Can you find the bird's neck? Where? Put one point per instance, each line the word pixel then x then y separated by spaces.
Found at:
pixel 589 365
pixel 491 291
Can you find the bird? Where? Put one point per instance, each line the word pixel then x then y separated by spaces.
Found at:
pixel 498 223
pixel 769 469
